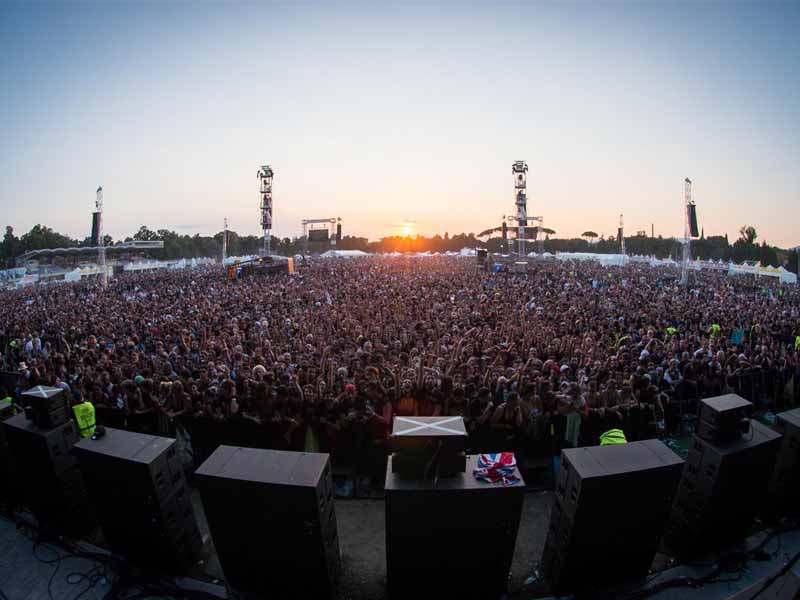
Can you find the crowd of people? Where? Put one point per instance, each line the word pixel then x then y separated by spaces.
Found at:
pixel 536 360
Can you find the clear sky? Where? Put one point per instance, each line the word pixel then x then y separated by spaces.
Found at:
pixel 383 113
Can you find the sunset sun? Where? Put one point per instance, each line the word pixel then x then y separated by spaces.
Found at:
pixel 408 230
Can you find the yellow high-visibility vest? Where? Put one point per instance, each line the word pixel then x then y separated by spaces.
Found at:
pixel 613 436
pixel 84 415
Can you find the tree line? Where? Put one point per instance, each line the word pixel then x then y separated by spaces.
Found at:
pixel 745 247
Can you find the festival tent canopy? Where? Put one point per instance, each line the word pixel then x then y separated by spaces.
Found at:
pixel 607 260
pixel 343 254
pixel 787 276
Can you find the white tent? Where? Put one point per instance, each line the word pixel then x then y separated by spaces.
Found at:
pixel 468 252
pixel 343 254
pixel 787 276
pixel 607 260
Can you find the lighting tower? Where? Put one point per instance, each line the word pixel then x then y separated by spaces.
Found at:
pixel 687 244
pixel 621 236
pixel 224 240
pixel 265 174
pixel 101 247
pixel 520 171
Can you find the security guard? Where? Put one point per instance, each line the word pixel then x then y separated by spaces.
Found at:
pixel 84 415
pixel 7 407
pixel 613 436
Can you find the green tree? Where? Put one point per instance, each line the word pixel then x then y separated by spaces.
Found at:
pixel 747 233
pixel 10 247
pixel 144 234
pixel 40 237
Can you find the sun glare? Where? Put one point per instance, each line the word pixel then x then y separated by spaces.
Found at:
pixel 408 230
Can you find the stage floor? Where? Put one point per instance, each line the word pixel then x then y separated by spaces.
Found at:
pixel 361 534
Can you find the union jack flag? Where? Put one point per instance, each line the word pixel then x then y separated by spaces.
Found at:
pixel 496 468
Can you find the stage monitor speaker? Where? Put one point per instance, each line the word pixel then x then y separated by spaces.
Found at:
pixel 723 419
pixel 451 537
pixel 785 484
pixel 722 489
pixel 426 446
pixel 611 503
pixel 46 406
pixel 9 381
pixel 6 464
pixel 143 503
pixel 272 518
pixel 7 410
pixel 47 475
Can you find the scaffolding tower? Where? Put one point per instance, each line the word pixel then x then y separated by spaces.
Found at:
pixel 265 174
pixel 224 240
pixel 101 246
pixel 520 171
pixel 687 243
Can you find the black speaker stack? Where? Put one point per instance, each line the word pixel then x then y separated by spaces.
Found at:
pixel 723 419
pixel 451 537
pixel 611 503
pixel 46 406
pixel 47 475
pixel 448 535
pixel 724 483
pixel 143 504
pixel 785 483
pixel 271 515
pixel 428 446
pixel 6 464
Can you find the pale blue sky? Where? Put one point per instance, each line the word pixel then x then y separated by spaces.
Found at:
pixel 381 113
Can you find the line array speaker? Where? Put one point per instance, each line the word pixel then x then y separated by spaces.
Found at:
pixel 272 518
pixel 609 512
pixel 137 486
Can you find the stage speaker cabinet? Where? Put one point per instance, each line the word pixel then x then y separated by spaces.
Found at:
pixel 428 446
pixel 721 491
pixel 272 518
pixel 7 479
pixel 47 476
pixel 46 406
pixel 143 503
pixel 785 483
pixel 611 504
pixel 451 537
pixel 723 419
pixel 6 412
